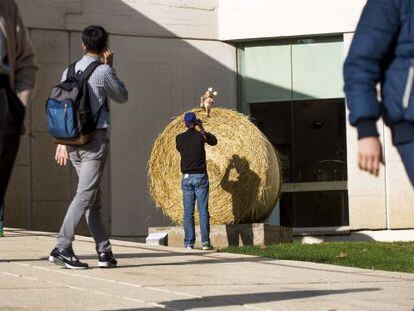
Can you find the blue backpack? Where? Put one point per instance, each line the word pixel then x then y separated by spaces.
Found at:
pixel 68 110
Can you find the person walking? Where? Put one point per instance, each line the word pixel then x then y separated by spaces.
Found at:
pixel 382 52
pixel 89 160
pixel 17 80
pixel 195 182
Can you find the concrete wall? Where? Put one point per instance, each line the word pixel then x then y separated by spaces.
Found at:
pixel 400 194
pixel 246 19
pixel 165 67
pixel 166 78
pixel 156 18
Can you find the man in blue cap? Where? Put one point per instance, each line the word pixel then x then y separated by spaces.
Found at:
pixel 195 184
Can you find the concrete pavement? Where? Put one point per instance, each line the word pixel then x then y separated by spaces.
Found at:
pixel 161 278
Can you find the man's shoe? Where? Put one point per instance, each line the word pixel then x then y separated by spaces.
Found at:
pixel 207 246
pixel 107 260
pixel 189 246
pixel 66 257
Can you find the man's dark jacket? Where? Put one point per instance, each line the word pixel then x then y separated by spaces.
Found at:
pixel 382 52
pixel 190 145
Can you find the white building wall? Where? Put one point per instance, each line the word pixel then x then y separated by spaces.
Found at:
pixel 161 18
pixel 246 19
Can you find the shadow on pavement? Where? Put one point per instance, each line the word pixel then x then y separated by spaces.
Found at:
pixel 243 299
pixel 202 259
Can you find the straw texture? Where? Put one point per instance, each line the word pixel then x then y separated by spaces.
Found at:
pixel 244 170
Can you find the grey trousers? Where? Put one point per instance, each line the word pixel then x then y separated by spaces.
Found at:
pixel 89 162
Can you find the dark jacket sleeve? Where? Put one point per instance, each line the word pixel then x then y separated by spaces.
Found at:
pixel 210 139
pixel 374 36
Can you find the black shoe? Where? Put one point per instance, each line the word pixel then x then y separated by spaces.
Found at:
pixel 107 260
pixel 66 258
pixel 207 246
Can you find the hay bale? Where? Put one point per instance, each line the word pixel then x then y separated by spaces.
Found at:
pixel 244 170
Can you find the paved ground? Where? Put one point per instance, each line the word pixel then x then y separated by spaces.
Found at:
pixel 158 278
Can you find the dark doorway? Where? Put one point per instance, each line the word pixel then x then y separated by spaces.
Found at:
pixel 310 136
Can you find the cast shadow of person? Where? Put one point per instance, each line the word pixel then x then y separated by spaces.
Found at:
pixel 244 190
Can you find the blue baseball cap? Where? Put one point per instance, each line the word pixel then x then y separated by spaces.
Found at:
pixel 190 118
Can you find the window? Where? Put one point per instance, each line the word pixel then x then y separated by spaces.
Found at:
pixel 293 91
pixel 311 141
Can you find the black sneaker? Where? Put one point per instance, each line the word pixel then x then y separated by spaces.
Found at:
pixel 107 260
pixel 207 246
pixel 67 258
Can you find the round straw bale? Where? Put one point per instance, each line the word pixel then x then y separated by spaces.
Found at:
pixel 244 170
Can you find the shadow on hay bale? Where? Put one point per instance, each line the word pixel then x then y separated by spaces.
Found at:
pixel 244 170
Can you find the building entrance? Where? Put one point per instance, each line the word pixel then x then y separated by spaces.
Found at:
pixel 293 92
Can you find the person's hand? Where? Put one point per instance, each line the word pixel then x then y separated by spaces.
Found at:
pixel 108 57
pixel 370 155
pixel 61 156
pixel 200 125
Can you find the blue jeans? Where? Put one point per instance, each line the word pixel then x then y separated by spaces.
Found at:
pixel 406 152
pixel 196 187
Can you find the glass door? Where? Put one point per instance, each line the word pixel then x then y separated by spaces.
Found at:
pixel 293 92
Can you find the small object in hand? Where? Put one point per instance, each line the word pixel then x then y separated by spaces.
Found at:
pixel 207 100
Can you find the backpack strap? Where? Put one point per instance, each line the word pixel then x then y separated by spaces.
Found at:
pixel 90 69
pixel 97 115
pixel 71 70
pixel 87 73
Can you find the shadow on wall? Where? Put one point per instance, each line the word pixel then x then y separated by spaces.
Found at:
pixel 243 188
pixel 165 76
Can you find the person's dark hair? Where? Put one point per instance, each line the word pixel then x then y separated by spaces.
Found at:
pixel 95 38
